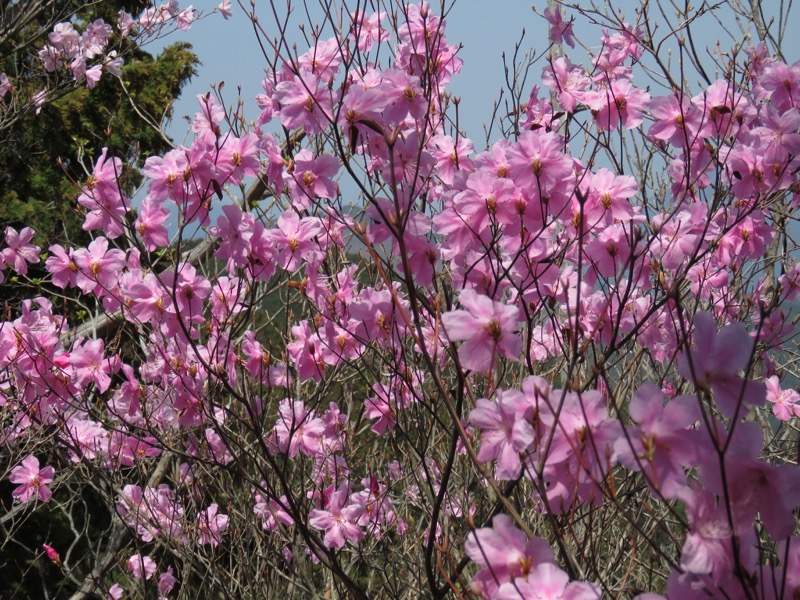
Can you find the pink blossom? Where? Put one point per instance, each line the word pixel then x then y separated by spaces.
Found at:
pixel 141 567
pixel 296 240
pixel 618 104
pixel 238 158
pixel 39 99
pixel 488 328
pixel 506 431
pixel 52 554
pixel 381 406
pixel 560 30
pixel 235 229
pixel 20 251
pixel 709 546
pixel 566 80
pixel 166 581
pixel 5 85
pixel 298 429
pixel 504 552
pixel 366 30
pixel 663 443
pixel 678 121
pixel 100 267
pixel 785 403
pixel 337 518
pixel 102 196
pixel 224 8
pixel 211 525
pixel 91 366
pixel 313 178
pixel 547 582
pixel 306 102
pixel 166 174
pixel 32 480
pixel 714 360
pixel 150 224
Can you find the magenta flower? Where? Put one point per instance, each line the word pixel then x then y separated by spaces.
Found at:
pixel 566 80
pixel 141 567
pixel 547 582
pixel 238 157
pixel 678 121
pixel 504 552
pixel 714 361
pixel 487 327
pixel 785 403
pixel 506 431
pixel 663 443
pixel 312 177
pixel 52 554
pixel 102 197
pixel 235 229
pixel 211 525
pixel 32 480
pixel 150 224
pixel 20 251
pixel 709 545
pixel 560 30
pixel 338 519
pixel 296 240
pixel 91 366
pixel 618 104
pixel 298 429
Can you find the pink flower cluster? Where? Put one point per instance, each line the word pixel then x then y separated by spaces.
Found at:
pixel 503 296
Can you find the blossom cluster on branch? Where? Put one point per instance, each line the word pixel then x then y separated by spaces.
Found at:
pixel 546 369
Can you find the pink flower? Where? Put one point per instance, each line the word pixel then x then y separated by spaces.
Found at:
pixel 238 157
pixel 296 240
pixel 5 85
pixel 714 360
pixel 166 581
pixel 305 102
pixel 547 582
pixel 39 99
pixel 102 196
pixel 566 80
pixel 211 525
pixel 383 407
pixel 785 403
pixel 298 429
pixel 224 8
pixel 20 252
pixel 313 178
pixel 91 366
pixel 366 30
pixel 32 480
pixel 663 443
pixel 488 328
pixel 504 552
pixel 235 228
pixel 150 224
pixel 678 121
pixel 560 30
pixel 337 518
pixel 506 431
pixel 709 546
pixel 141 567
pixel 52 554
pixel 618 104
pixel 99 267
